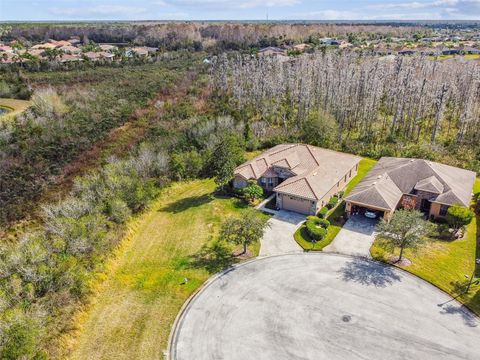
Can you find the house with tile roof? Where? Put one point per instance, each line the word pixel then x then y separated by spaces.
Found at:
pixel 303 177
pixel 419 184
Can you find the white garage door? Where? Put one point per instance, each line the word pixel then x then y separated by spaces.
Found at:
pixel 299 205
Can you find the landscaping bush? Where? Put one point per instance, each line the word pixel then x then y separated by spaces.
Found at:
pixel 252 192
pixel 322 213
pixel 340 194
pixel 316 227
pixel 332 202
pixel 459 216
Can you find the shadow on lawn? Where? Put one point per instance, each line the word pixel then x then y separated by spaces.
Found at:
pixel 187 203
pixel 213 258
pixel 368 273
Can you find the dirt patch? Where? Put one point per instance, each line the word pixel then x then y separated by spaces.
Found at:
pixel 404 262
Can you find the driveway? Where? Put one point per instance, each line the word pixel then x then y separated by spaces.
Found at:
pixel 355 238
pixel 278 237
pixel 322 306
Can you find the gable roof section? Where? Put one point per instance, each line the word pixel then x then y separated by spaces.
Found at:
pixel 316 170
pixel 393 177
pixel 430 184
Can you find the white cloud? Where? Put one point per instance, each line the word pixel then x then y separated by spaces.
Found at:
pixel 100 10
pixel 231 4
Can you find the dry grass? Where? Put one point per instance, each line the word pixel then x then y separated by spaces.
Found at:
pixel 137 304
pixel 16 107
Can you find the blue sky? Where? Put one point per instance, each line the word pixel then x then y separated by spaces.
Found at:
pixel 239 9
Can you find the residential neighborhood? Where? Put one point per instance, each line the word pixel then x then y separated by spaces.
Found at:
pixel 288 187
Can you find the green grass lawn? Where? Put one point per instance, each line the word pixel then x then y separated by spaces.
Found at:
pixel 336 217
pixel 136 305
pixel 444 263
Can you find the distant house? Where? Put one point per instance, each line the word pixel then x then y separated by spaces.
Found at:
pixel 6 48
pixel 142 51
pixel 406 51
pixel 99 56
pixel 70 49
pixel 469 51
pixel 45 46
pixel 66 58
pixel 301 47
pixel 60 43
pixel 412 184
pixel 451 51
pixel 74 41
pixel 271 51
pixel 303 177
pixel 108 47
pixel 330 41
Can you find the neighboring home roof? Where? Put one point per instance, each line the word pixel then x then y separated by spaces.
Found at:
pixel 98 55
pixel 71 49
pixel 45 46
pixel 315 170
pixel 390 178
pixel 6 48
pixel 70 57
pixel 271 50
pixel 60 43
pixel 107 47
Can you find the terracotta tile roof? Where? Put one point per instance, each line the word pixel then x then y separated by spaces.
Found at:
pixel 393 177
pixel 314 170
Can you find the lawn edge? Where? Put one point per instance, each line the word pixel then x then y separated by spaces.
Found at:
pixel 170 353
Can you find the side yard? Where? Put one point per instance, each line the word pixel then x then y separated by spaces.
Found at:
pixel 446 264
pixel 160 266
pixel 335 216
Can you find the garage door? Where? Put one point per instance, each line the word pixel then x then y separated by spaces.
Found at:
pixel 292 203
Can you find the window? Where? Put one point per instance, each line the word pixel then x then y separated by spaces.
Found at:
pixel 443 210
pixel 350 174
pixel 338 184
pixel 345 178
pixel 263 181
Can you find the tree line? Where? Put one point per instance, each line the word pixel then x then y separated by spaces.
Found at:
pixel 413 106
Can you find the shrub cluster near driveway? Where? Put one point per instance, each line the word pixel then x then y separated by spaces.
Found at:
pixel 335 217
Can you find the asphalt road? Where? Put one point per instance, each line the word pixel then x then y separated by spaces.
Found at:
pixel 320 306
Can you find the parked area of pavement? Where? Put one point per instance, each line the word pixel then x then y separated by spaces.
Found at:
pixel 278 237
pixel 355 238
pixel 322 306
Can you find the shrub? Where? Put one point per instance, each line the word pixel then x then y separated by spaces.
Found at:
pixel 332 202
pixel 340 194
pixel 316 227
pixel 322 213
pixel 252 192
pixel 118 211
pixel 459 216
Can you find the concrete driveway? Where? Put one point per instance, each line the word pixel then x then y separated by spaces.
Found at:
pixel 355 238
pixel 322 306
pixel 278 237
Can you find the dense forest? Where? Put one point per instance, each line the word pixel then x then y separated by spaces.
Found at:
pixel 407 106
pixel 195 35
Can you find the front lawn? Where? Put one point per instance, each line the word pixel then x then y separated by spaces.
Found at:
pixel 446 264
pixel 145 288
pixel 336 217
